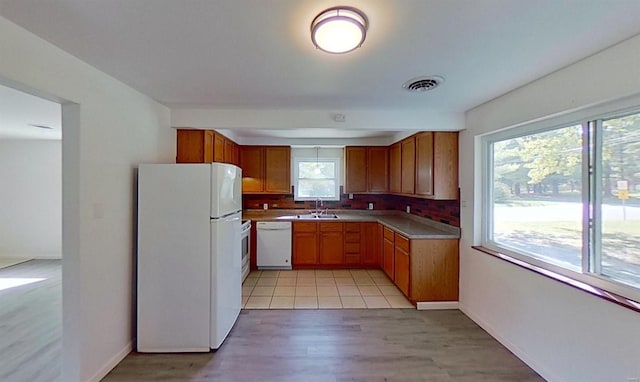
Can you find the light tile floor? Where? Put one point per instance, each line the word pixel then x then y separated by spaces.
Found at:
pixel 321 289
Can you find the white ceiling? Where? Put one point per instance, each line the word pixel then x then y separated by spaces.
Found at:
pixel 257 54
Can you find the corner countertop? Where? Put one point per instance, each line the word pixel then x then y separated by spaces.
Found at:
pixel 411 226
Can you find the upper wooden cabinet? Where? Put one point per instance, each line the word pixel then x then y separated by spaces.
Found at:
pixel 408 164
pixel 356 167
pixel 425 165
pixel 205 146
pixel 266 169
pixel 218 148
pixel 367 169
pixel 252 164
pixel 228 151
pixel 194 146
pixel 437 165
pixel 378 169
pixel 395 168
pixel 277 169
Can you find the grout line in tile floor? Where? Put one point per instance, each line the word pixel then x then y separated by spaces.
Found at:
pixel 321 289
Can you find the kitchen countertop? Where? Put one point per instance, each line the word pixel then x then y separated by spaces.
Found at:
pixel 411 226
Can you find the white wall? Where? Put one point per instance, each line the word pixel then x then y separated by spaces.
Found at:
pixel 563 333
pixel 108 128
pixel 31 198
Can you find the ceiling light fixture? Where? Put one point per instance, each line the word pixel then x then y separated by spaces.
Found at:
pixel 339 29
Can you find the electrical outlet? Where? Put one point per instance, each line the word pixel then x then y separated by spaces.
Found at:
pixel 350 196
pixel 265 206
pixel 370 206
pixel 408 209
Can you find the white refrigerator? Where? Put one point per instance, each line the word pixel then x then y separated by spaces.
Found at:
pixel 189 284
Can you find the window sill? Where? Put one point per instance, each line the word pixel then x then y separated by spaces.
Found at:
pixel 595 291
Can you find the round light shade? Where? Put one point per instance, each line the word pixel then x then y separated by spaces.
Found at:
pixel 339 29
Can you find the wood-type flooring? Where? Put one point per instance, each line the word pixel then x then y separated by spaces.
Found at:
pixel 339 345
pixel 31 321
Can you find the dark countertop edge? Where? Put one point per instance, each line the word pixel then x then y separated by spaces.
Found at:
pixel 447 232
pixel 588 288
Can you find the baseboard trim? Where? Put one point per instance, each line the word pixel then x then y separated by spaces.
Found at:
pixel 104 370
pixel 437 305
pixel 517 351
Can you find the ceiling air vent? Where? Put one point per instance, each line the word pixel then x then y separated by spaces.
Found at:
pixel 41 126
pixel 423 84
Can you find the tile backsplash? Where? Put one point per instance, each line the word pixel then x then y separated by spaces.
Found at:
pixel 445 211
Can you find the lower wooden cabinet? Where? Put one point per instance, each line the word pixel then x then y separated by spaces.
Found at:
pixel 305 244
pixel 353 240
pixel 401 263
pixel 331 243
pixel 318 243
pixel 434 270
pixel 371 247
pixel 388 256
pixel 423 269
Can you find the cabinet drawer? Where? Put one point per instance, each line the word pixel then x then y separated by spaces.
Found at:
pixel 402 243
pixel 351 258
pixel 352 247
pixel 352 237
pixel 305 227
pixel 352 227
pixel 388 234
pixel 331 227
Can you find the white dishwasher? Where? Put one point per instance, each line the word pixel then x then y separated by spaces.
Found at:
pixel 274 245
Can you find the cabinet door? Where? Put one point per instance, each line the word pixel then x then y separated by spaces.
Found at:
pixel 251 162
pixel 370 244
pixel 356 170
pixel 401 263
pixel 194 146
pixel 388 258
pixel 218 147
pixel 424 164
pixel 305 248
pixel 378 169
pixel 395 168
pixel 331 240
pixel 408 165
pixel 236 155
pixel 445 165
pixel 278 170
pixel 228 151
pixel 332 248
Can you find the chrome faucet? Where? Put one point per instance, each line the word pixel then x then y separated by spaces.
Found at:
pixel 319 204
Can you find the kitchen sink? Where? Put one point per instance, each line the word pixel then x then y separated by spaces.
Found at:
pixel 315 216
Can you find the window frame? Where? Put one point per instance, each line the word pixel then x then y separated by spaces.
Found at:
pixel 337 163
pixel 591 121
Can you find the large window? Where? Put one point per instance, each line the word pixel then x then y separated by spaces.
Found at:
pixel 568 199
pixel 317 179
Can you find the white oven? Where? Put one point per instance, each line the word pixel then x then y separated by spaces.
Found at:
pixel 245 247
